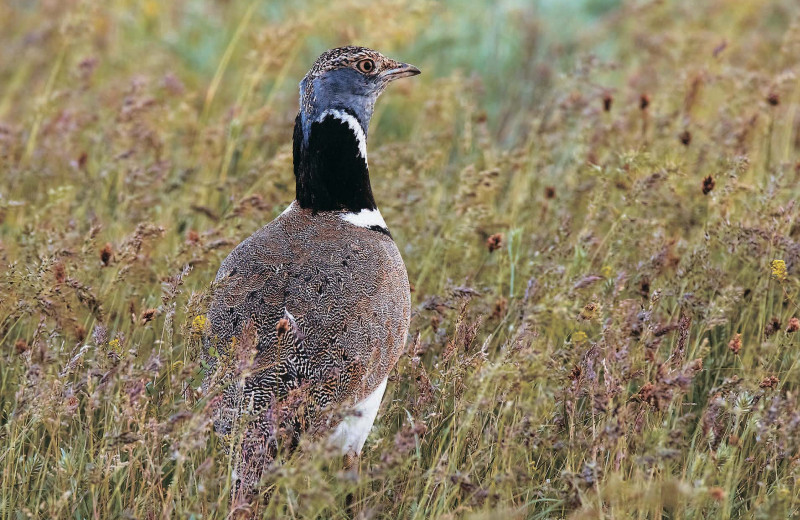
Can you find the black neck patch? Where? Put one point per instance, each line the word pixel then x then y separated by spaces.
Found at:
pixel 329 171
pixel 380 229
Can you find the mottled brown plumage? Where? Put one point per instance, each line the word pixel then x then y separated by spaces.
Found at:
pixel 344 287
pixel 344 294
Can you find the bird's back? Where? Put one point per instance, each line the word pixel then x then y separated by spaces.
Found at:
pixel 328 305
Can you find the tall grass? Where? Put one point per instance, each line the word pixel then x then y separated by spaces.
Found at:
pixel 596 203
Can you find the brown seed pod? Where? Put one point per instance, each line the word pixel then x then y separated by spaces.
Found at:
pixel 774 99
pixel 708 185
pixel 494 242
pixel 106 254
pixel 148 315
pixel 735 344
pixel 794 325
pixel 769 382
pixel 608 100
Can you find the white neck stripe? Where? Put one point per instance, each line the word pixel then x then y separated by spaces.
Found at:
pixel 354 125
pixel 365 218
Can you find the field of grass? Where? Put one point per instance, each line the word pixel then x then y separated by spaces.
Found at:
pixel 597 202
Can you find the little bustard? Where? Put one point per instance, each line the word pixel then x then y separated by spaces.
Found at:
pixel 320 293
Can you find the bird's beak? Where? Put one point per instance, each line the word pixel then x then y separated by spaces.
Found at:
pixel 400 70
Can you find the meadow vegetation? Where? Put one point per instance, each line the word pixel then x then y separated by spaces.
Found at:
pixel 597 203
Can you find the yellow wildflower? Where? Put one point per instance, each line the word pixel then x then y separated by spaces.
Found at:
pixel 579 337
pixel 606 271
pixel 115 346
pixel 778 270
pixel 199 323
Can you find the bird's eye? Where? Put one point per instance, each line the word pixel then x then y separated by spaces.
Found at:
pixel 366 66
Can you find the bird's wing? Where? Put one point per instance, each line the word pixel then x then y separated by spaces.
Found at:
pixel 327 302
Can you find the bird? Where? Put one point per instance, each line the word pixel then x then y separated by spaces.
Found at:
pixel 319 297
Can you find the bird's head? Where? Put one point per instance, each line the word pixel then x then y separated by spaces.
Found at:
pixel 337 97
pixel 348 80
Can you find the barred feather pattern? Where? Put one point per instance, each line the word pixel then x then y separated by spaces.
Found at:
pixel 324 306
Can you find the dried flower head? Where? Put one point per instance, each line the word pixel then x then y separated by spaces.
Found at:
pixel 647 392
pixel 794 325
pixel 773 326
pixel 549 192
pixel 608 100
pixel 644 287
pixel 685 137
pixel 735 344
pixel 589 311
pixel 106 254
pixel 59 272
pixel 71 404
pixel 708 185
pixel 148 315
pixel 644 101
pixel 21 346
pixel 717 493
pixel 769 382
pixel 500 307
pixel 80 332
pixel 494 242
pixel 773 98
